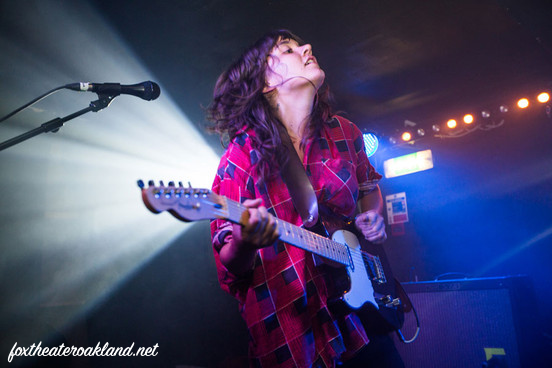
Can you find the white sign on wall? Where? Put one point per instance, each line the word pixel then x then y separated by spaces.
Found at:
pixel 397 211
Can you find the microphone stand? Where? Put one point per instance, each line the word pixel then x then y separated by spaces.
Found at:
pixel 55 124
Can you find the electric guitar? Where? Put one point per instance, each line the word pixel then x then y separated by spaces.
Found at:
pixel 360 277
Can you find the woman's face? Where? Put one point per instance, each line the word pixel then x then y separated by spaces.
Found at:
pixel 290 62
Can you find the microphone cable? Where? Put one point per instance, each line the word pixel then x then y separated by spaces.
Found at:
pixel 32 103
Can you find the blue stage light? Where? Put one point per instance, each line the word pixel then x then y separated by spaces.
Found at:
pixel 371 143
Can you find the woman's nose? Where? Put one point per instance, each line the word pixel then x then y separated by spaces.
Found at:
pixel 307 49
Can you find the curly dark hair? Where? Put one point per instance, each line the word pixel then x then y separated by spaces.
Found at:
pixel 239 101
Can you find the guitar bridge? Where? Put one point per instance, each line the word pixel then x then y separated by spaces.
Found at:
pixel 375 268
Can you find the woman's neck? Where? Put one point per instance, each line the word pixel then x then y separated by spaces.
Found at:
pixel 294 110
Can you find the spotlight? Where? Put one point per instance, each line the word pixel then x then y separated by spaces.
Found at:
pixel 452 123
pixel 523 103
pixel 421 132
pixel 371 143
pixel 503 109
pixel 485 114
pixel 468 118
pixel 406 136
pixel 392 140
pixel 436 128
pixel 543 97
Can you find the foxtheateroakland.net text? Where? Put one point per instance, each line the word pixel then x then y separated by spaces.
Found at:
pixel 62 350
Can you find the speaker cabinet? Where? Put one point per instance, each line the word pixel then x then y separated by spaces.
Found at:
pixel 487 322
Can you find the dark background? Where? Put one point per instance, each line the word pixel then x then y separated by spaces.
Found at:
pixel 483 210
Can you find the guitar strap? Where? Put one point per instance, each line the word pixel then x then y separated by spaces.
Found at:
pixel 299 186
pixel 304 199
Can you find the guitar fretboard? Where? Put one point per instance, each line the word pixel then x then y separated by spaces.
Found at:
pixel 299 237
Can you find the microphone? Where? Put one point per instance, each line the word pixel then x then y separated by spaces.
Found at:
pixel 146 90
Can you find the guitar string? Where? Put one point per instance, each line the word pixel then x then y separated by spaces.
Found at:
pixel 357 256
pixel 296 230
pixel 304 234
pixel 373 267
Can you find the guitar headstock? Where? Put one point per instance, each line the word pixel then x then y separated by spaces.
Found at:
pixel 186 204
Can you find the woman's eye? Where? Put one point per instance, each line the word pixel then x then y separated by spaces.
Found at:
pixel 288 51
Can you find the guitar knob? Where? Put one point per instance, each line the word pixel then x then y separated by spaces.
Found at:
pixel 171 183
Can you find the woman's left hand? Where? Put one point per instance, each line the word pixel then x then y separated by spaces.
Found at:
pixel 372 226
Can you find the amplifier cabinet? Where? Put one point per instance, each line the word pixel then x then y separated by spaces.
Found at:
pixel 472 323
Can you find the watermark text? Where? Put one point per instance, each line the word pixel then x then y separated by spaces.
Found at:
pixel 62 350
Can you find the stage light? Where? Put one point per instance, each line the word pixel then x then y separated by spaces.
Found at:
pixel 543 97
pixel 485 114
pixel 90 230
pixel 371 143
pixel 503 109
pixel 452 123
pixel 392 140
pixel 408 164
pixel 406 136
pixel 468 119
pixel 436 128
pixel 421 132
pixel 523 103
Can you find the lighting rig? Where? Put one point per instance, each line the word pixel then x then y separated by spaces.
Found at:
pixel 454 127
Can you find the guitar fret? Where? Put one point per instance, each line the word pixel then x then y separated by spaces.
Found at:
pixel 328 245
pixel 235 211
pixel 312 242
pixel 333 250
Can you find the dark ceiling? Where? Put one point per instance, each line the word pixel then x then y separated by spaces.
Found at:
pixel 386 61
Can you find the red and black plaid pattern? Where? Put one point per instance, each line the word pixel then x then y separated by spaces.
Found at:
pixel 283 300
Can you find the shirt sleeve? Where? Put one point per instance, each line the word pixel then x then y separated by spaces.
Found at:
pixel 234 181
pixel 367 176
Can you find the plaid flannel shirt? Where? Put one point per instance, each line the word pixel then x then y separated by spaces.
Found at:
pixel 283 300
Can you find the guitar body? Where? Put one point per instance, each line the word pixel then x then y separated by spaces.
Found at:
pixel 359 287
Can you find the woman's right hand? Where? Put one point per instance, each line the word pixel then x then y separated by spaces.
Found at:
pixel 258 228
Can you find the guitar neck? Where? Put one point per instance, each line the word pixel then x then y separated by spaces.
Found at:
pixel 296 236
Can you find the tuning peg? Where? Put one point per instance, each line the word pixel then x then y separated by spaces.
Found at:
pixel 151 183
pixel 180 184
pixel 140 184
pixel 171 183
pixel 161 184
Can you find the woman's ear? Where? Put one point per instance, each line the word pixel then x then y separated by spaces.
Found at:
pixel 268 88
pixel 270 84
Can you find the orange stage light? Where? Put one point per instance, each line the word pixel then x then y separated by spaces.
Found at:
pixel 543 97
pixel 523 103
pixel 452 123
